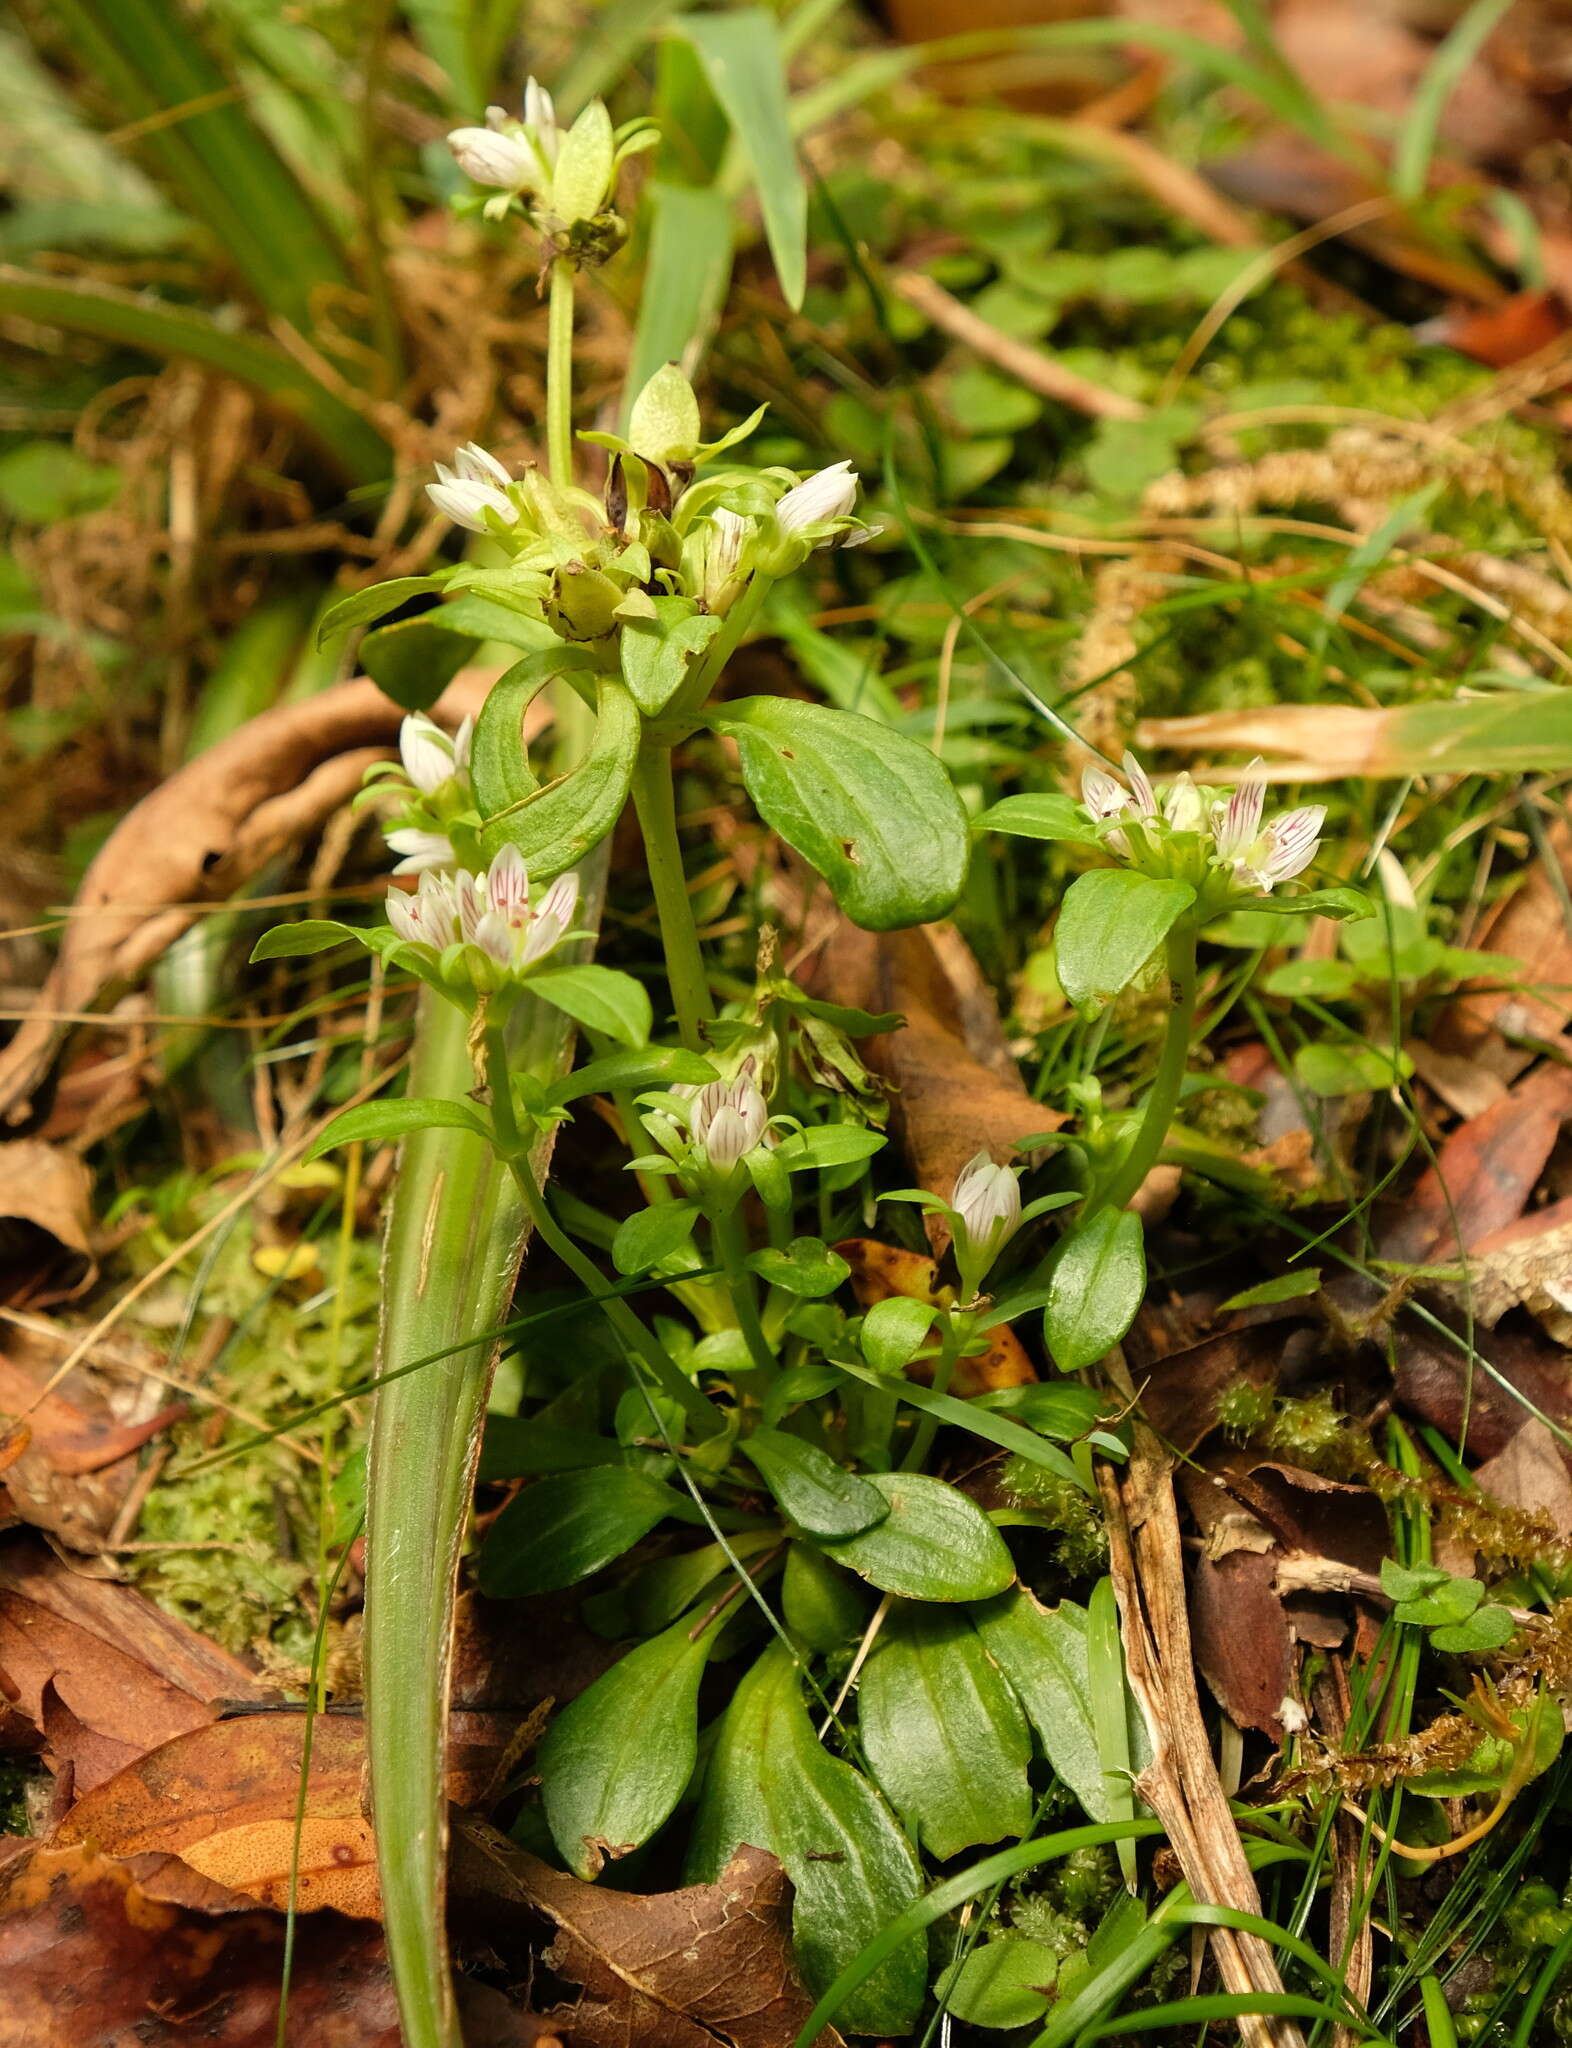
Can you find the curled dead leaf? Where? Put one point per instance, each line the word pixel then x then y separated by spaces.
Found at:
pixel 46 1221
pixel 197 837
pixel 882 1271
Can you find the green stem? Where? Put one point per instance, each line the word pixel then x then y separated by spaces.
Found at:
pixel 635 1339
pixel 1163 1098
pixel 559 374
pixel 655 802
pixel 731 1255
pixel 943 1372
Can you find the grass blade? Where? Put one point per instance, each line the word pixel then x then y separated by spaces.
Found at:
pixel 1417 141
pixel 456 1233
pixel 742 57
pixel 213 157
pixel 80 307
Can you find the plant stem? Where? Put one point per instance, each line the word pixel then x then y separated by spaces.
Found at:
pixel 656 804
pixel 1163 1098
pixel 731 1255
pixel 636 1340
pixel 559 374
pixel 943 1372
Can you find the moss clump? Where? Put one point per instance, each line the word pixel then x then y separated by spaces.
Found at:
pixel 1069 1518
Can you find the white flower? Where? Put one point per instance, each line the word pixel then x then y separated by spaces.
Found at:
pixel 1291 842
pixel 729 1119
pixel 473 487
pixel 987 1204
pixel 427 753
pixel 1143 796
pixel 420 850
pixel 492 157
pixel 1237 824
pixel 1103 795
pixel 728 535
pixel 463 739
pixel 490 911
pixel 427 917
pixel 828 494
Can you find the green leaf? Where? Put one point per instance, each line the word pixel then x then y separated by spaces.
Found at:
pixel 685 274
pixel 1292 1286
pixel 979 1422
pixel 875 813
pixel 617 1759
pixel 1486 1629
pixel 499 760
pixel 1095 1286
pixel 361 606
pixel 894 1331
pixel 568 1525
pixel 1330 981
pixel 602 999
pixel 936 1544
pixel 1042 1652
pixel 1340 903
pixel 1349 1068
pixel 658 653
pixel 732 1809
pixel 554 827
pixel 519 1447
pixel 1046 816
pixel 650 1235
pixel 1445 1605
pixel 43 482
pixel 1003 1983
pixel 943 1733
pixel 414 661
pixel 806 1267
pixel 815 1492
pixel 645 1066
pixel 1064 1413
pixel 1110 924
pixel 852 1870
pixel 382 1120
pixel 357 449
pixel 309 935
pixel 824 1145
pixel 742 57
pixel 1410 1582
pixel 823 1606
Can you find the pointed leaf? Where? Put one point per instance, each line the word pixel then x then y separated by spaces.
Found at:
pixel 602 999
pixel 935 1544
pixel 1110 924
pixel 746 66
pixel 813 1490
pixel 568 1525
pixel 1095 1285
pixel 379 1121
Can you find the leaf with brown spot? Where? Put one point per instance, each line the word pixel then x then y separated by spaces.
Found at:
pixel 960 1089
pixel 118 1673
pixel 224 1799
pixel 882 1271
pixel 707 1965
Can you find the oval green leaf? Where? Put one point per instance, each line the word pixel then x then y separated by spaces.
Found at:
pixel 1110 924
pixel 875 813
pixel 813 1490
pixel 1095 1286
pixel 559 1531
pixel 935 1544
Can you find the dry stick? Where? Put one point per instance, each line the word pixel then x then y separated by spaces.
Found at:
pixel 1033 367
pixel 1181 1785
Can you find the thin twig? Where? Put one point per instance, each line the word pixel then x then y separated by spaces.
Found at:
pixel 1033 367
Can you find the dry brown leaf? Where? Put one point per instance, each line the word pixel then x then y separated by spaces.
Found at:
pixel 97 1952
pixel 1526 1264
pixel 1484 1173
pixel 109 1672
pixel 696 1968
pixel 224 1799
pixel 46 1222
pixel 1529 925
pixel 1437 1382
pixel 196 838
pixel 75 1457
pixel 1531 1473
pixel 960 1089
pixel 880 1271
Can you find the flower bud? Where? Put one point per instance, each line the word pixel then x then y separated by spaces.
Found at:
pixel 729 1120
pixel 427 753
pixel 987 1204
pixel 828 494
pixel 473 487
pixel 493 158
